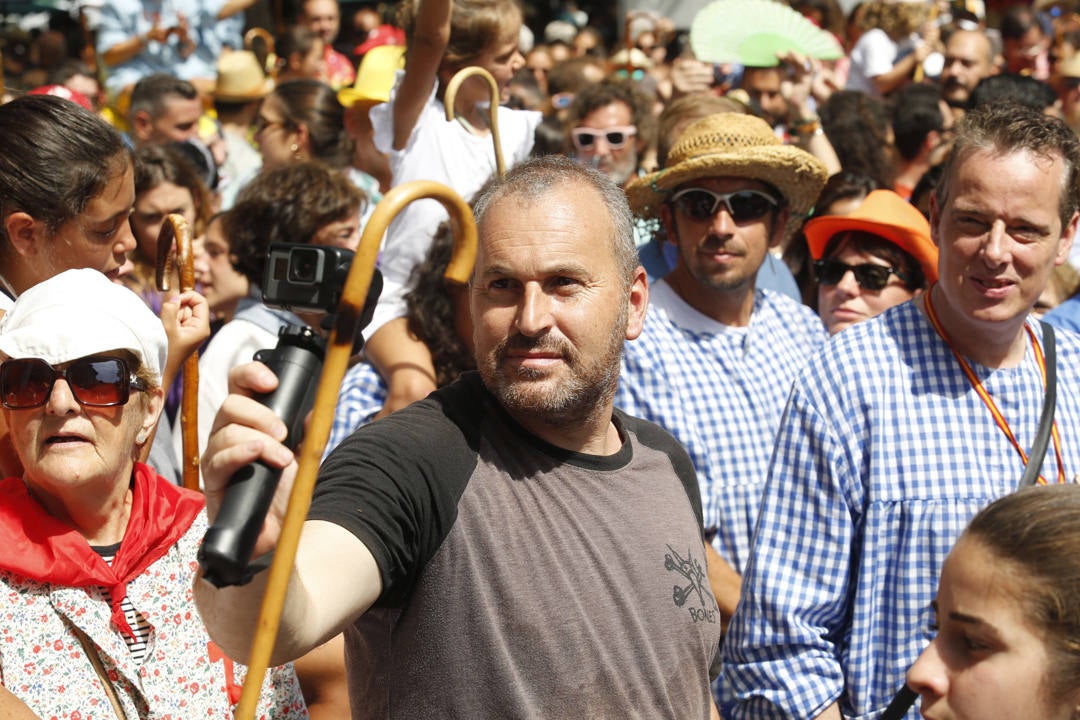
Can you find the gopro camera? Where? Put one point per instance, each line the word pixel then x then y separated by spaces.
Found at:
pixel 305 277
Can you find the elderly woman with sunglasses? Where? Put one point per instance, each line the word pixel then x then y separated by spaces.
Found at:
pixel 878 256
pixel 99 551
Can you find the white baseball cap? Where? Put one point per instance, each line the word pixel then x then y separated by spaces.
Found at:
pixel 79 313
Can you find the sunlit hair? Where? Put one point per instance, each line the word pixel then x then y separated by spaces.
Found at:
pixel 55 157
pixel 1037 531
pixel 1010 128
pixel 475 26
pixel 536 179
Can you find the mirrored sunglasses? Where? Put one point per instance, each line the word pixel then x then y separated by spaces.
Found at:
pixel 743 205
pixel 868 275
pixel 94 381
pixel 615 137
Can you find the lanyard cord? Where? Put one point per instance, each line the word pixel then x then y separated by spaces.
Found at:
pixel 999 419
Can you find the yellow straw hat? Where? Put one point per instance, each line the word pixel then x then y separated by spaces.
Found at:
pixel 375 76
pixel 240 78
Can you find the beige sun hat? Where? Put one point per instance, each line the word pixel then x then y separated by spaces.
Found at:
pixel 733 145
pixel 240 78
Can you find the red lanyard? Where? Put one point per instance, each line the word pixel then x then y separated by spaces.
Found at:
pixel 989 401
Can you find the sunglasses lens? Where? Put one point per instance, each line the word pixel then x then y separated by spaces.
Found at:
pixel 25 383
pixel 584 139
pixel 697 204
pixel 745 206
pixel 616 139
pixel 102 382
pixel 871 277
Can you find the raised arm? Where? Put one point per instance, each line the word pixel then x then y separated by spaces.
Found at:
pixel 426 48
pixel 334 579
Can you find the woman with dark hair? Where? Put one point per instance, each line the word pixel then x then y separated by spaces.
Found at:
pixel 843 192
pixel 871 259
pixel 66 194
pixel 303 120
pixel 859 129
pixel 1007 634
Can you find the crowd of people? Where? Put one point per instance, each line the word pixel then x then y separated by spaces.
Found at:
pixel 762 400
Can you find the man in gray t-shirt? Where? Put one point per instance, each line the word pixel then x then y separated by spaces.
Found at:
pixel 511 546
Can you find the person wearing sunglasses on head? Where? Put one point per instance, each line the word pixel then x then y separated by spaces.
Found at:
pixel 610 126
pixel 99 550
pixel 864 263
pixel 718 353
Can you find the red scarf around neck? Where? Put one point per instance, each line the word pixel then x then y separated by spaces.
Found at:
pixel 37 546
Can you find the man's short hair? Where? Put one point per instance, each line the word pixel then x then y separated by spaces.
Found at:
pixel 915 115
pixel 1012 88
pixel 1012 128
pixel 536 179
pixel 152 92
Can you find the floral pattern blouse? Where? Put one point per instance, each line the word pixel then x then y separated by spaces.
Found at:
pixel 184 675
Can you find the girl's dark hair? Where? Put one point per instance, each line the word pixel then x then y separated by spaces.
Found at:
pixel 157 164
pixel 55 157
pixel 315 105
pixel 432 310
pixel 287 204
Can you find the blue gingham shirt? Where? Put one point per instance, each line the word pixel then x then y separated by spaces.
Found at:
pixel 720 391
pixel 360 398
pixel 885 453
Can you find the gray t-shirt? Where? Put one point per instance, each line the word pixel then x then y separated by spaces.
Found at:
pixel 521 580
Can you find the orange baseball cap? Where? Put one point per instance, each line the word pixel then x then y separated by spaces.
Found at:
pixel 887 215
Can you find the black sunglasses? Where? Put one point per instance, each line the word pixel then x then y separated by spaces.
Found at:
pixel 743 205
pixel 868 275
pixel 94 381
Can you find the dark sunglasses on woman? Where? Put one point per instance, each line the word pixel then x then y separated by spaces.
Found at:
pixel 95 381
pixel 868 275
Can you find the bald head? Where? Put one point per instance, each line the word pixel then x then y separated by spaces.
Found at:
pixel 969 57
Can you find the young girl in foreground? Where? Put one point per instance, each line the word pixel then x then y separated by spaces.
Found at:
pixel 443 36
pixel 1008 614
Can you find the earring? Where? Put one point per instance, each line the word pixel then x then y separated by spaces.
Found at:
pixel 295 149
pixel 141 437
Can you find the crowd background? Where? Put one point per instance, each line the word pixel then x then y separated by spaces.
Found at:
pixel 232 104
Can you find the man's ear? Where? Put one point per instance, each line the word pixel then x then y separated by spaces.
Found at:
pixel 142 125
pixel 23 232
pixel 638 302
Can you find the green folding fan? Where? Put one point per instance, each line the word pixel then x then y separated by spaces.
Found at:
pixel 752 32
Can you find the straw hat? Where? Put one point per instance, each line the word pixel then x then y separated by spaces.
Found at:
pixel 240 78
pixel 887 215
pixel 375 76
pixel 733 145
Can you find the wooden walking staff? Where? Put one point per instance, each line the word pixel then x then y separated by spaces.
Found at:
pixel 268 59
pixel 339 348
pixel 175 251
pixel 493 109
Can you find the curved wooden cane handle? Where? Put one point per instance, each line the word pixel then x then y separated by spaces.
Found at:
pixel 268 60
pixel 339 348
pixel 493 109
pixel 175 250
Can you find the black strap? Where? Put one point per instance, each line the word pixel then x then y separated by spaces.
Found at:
pixel 906 697
pixel 1046 420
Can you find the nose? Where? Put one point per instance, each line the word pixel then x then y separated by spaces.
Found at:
pixel 927 676
pixel 995 248
pixel 722 223
pixel 534 312
pixel 848 284
pixel 517 61
pixel 61 401
pixel 125 241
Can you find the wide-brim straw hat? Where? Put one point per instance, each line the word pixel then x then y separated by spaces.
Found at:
pixel 886 215
pixel 240 78
pixel 733 145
